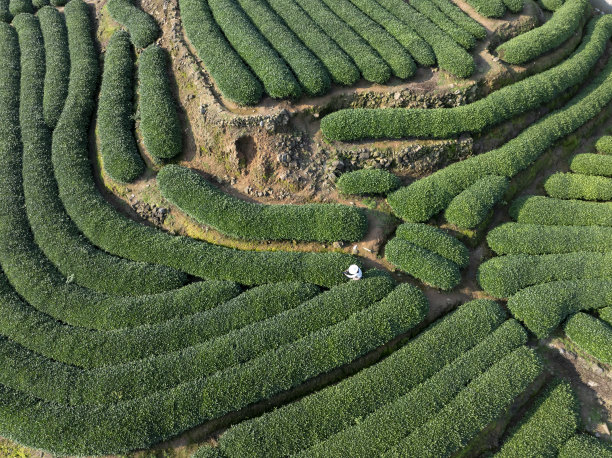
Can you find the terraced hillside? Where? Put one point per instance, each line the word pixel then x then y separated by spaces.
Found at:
pixel 185 186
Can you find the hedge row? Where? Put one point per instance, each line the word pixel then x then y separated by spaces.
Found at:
pixel 302 424
pixel 606 315
pixel 514 238
pixel 232 76
pixel 423 264
pixel 54 233
pixel 20 6
pixel 433 239
pixel 472 206
pixel 208 205
pixel 450 56
pixel 484 400
pixel 604 145
pixel 428 196
pixel 578 186
pixel 488 8
pixel 40 3
pixel 392 422
pixel 559 212
pixel 585 445
pixel 159 122
pixel 58 3
pixel 120 157
pixel 138 423
pixel 514 6
pixel 248 42
pixel 592 164
pixel 546 427
pixel 394 54
pixel 532 44
pixel 544 307
pixel 429 9
pixel 510 101
pixel 368 181
pixel 504 276
pixel 308 69
pixel 372 67
pixel 552 5
pixel 459 17
pixel 592 335
pixel 5 14
pixel 142 27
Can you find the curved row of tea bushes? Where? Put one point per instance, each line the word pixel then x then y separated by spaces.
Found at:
pixel 159 121
pixel 428 9
pixel 403 33
pixel 488 8
pixel 558 212
pixel 139 423
pixel 308 69
pixel 57 61
pixel 120 157
pixel 436 240
pixel 208 205
pixel 514 238
pixel 428 196
pixel 5 14
pixel 514 6
pixel 591 335
pixel 583 445
pixel 53 231
pixel 394 54
pixel 372 67
pixel 547 426
pixel 423 264
pixel 592 164
pixel 578 186
pixel 532 44
pixel 604 145
pixel 390 423
pixel 542 308
pixel 142 27
pixel 472 206
pixel 484 400
pixel 459 17
pixel 20 6
pixel 254 49
pixel 450 56
pixel 552 5
pixel 368 181
pixel 504 276
pixel 316 417
pixel 231 75
pixel 503 104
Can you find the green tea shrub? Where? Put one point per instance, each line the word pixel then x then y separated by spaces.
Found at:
pixel 459 17
pixel 142 27
pixel 488 8
pixel 5 14
pixel 37 4
pixel 436 240
pixel 582 445
pixel 592 164
pixel 552 5
pixel 592 335
pixel 532 44
pixel 429 9
pixel 472 206
pixel 604 145
pixel 578 186
pixel 559 212
pixel 368 181
pixel 20 6
pixel 514 6
pixel 208 205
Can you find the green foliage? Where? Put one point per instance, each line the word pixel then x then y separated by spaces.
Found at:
pixel 40 3
pixel 514 6
pixel 472 206
pixel 459 17
pixel 57 61
pixel 577 186
pixel 548 424
pixel 428 196
pixel 544 307
pixel 592 164
pixel 423 264
pixel 142 27
pixel 552 5
pixel 559 212
pixel 20 6
pixel 433 239
pixel 514 238
pixel 606 315
pixel 488 8
pixel 368 181
pixel 58 3
pixel 503 104
pixel 208 205
pixel 120 156
pixel 307 68
pixel 159 122
pixel 450 56
pixel 592 335
pixel 316 417
pixel 429 9
pixel 504 276
pixel 5 14
pixel 583 445
pixel 233 77
pixel 604 145
pixel 532 44
pixel 248 42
